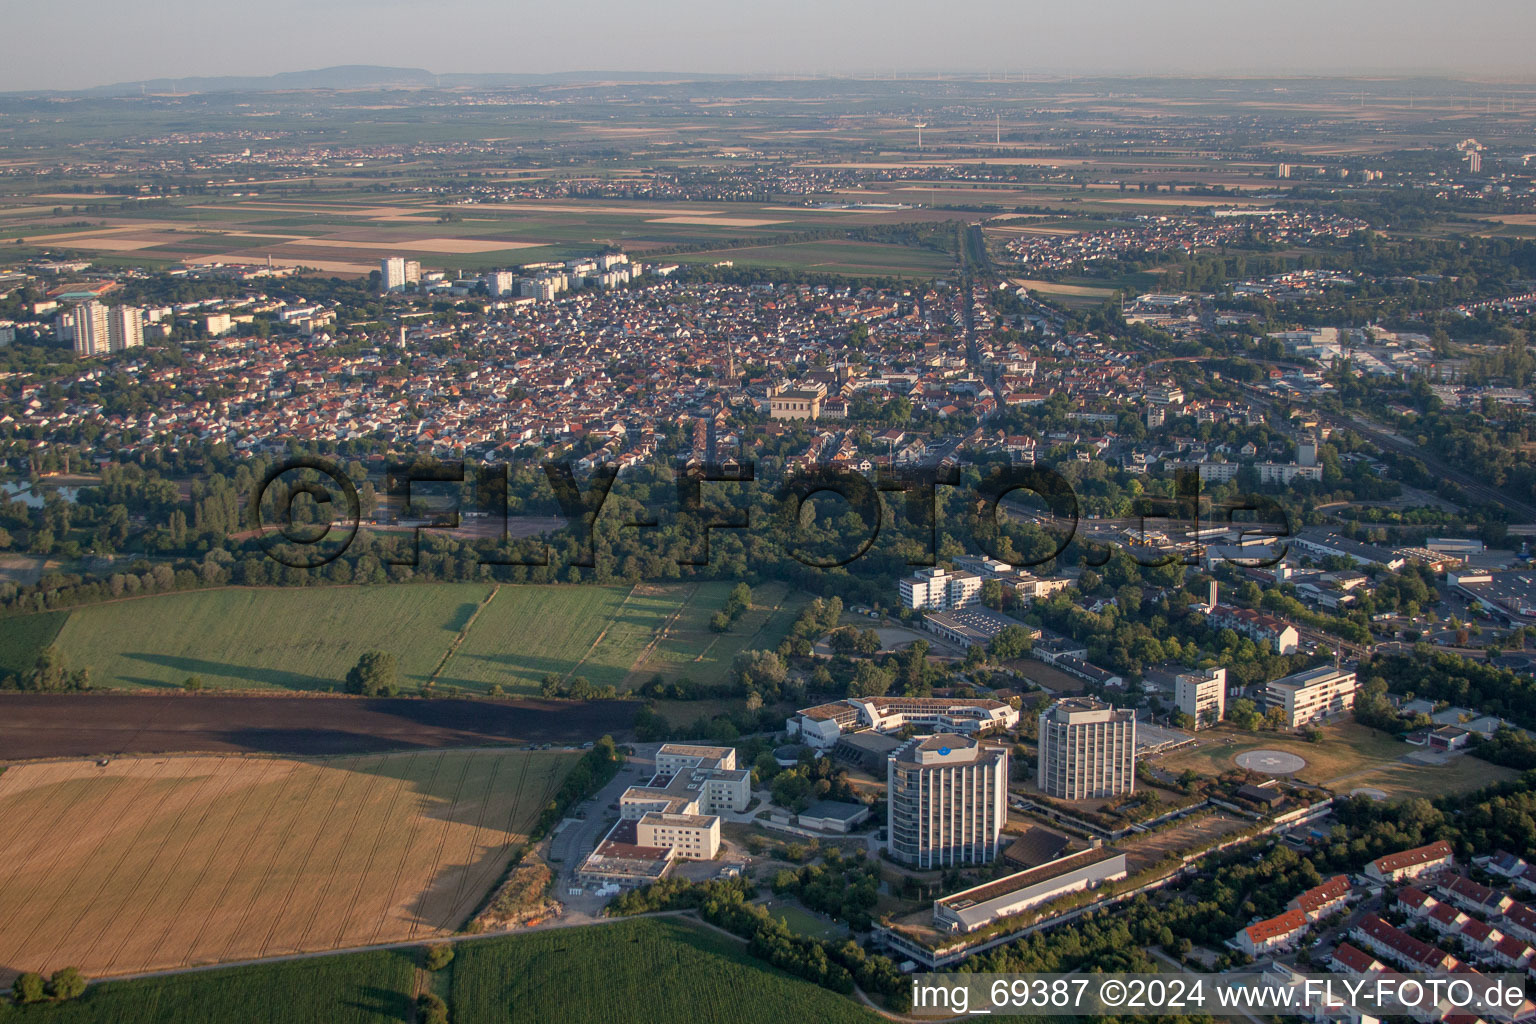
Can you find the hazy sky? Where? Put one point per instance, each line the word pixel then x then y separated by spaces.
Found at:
pixel 97 42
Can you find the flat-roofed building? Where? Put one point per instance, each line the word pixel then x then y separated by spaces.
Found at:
pixel 946 801
pixel 1202 695
pixel 1087 750
pixel 833 816
pixel 690 780
pixel 125 328
pixel 621 859
pixel 92 330
pixel 688 836
pixel 1313 695
pixel 821 725
pixel 939 590
pixel 981 905
pixel 967 627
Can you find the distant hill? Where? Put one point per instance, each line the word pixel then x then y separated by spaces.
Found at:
pixel 352 76
pixel 365 76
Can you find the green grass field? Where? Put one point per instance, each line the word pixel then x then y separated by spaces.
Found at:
pixel 1346 749
pixel 304 639
pixel 307 639
pixel 803 922
pixel 643 970
pixel 527 632
pixel 364 988
pixel 833 256
pixel 22 638
pixel 688 649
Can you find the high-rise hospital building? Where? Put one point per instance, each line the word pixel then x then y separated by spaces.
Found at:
pixel 946 801
pixel 1087 750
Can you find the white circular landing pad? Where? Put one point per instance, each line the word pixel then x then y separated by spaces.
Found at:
pixel 1271 762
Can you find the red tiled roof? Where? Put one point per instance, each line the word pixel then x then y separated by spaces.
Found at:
pixel 1321 895
pixel 1437 850
pixel 1284 924
pixel 1357 960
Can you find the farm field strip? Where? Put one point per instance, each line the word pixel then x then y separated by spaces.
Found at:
pixel 590 975
pixel 258 856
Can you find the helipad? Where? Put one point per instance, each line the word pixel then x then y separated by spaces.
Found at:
pixel 1270 762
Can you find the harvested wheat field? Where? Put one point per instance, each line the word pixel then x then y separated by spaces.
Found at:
pixel 152 863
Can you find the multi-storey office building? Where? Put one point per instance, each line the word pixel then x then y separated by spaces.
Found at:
pixel 1087 750
pixel 946 801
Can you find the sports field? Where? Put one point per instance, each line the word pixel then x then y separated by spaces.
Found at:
pixel 469 635
pixel 152 863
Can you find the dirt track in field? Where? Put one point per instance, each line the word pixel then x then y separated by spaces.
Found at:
pixel 85 725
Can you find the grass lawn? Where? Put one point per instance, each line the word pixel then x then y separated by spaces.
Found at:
pixel 803 922
pixel 1462 774
pixel 688 649
pixel 238 638
pixel 655 969
pixel 308 638
pixel 1346 748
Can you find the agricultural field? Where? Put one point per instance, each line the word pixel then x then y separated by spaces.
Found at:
pixel 473 636
pixel 344 230
pixel 240 638
pixel 153 863
pixel 591 976
pixel 362 988
pixel 685 648
pixel 834 256
pixel 583 976
pixel 1345 750
pixel 21 638
pixel 527 632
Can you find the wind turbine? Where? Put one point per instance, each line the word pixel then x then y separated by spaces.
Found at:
pixel 920 125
